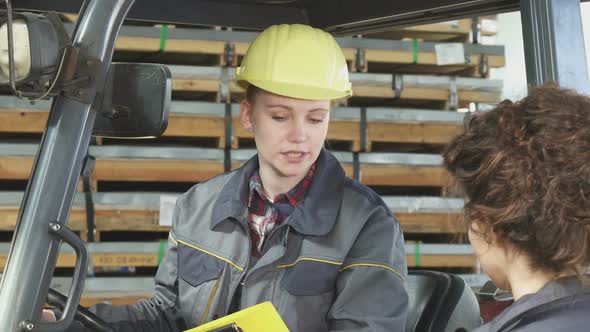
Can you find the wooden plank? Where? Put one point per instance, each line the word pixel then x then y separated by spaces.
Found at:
pixel 212 86
pixel 204 126
pixel 460 26
pixel 430 32
pixel 22 121
pixel 19 168
pixel 129 220
pixel 440 261
pixel 348 131
pixel 192 126
pixel 424 94
pixel 428 133
pixel 406 93
pixel 156 170
pixel 478 96
pixel 179 84
pixel 400 175
pixel 151 260
pixel 184 46
pixel 148 220
pixel 202 85
pixel 102 260
pixel 60 262
pixel 430 222
pixel 129 170
pixel 349 54
pixel 114 298
pixel 9 215
pixel 427 58
pixel 195 126
pixel 397 57
pixel 196 171
pixel 134 259
pixel 241 48
pixel 15 168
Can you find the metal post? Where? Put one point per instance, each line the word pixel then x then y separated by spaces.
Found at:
pixel 56 171
pixel 554 43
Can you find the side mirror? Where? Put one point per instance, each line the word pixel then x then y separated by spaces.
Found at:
pixel 136 101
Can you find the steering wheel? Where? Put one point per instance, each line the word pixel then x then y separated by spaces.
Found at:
pixel 83 315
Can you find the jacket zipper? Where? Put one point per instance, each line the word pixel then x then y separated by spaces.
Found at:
pixel 283 224
pixel 246 268
pixel 272 233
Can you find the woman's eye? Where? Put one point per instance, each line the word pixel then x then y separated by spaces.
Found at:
pixel 316 120
pixel 279 118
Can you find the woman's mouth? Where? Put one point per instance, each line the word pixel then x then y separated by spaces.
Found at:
pixel 294 156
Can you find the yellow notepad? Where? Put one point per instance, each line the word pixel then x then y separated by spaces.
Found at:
pixel 262 317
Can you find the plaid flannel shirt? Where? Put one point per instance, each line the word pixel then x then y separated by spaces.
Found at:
pixel 265 214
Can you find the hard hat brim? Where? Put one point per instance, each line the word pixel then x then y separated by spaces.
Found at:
pixel 297 91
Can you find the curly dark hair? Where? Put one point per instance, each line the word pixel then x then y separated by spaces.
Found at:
pixel 524 169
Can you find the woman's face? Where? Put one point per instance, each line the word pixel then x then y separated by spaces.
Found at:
pixel 289 133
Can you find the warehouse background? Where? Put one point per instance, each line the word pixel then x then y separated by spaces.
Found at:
pixel 412 88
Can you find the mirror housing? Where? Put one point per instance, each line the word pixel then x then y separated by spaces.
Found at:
pixel 136 101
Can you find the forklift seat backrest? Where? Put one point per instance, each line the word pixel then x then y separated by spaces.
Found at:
pixel 440 302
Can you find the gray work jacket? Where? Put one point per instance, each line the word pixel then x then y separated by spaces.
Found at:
pixel 561 305
pixel 337 263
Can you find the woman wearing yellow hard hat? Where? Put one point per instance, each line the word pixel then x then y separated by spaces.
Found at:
pixel 288 226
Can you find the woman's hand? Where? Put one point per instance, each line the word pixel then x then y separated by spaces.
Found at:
pixel 48 316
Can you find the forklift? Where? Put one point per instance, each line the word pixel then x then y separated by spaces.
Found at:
pixel 91 95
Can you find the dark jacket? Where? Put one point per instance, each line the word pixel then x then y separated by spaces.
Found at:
pixel 561 305
pixel 336 263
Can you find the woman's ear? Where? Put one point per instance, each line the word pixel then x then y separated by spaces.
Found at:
pixel 246 115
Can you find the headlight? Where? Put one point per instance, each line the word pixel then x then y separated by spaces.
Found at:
pixel 36 47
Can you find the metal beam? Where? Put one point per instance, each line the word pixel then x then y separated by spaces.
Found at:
pixel 355 17
pixel 554 43
pixel 345 17
pixel 193 12
pixel 50 191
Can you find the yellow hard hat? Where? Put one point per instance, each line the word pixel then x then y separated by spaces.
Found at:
pixel 296 61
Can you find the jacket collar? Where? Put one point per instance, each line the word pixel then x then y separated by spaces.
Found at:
pixel 315 215
pixel 552 291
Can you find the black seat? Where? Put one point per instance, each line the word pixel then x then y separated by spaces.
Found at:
pixel 440 302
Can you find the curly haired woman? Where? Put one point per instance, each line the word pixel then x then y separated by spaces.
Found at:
pixel 524 169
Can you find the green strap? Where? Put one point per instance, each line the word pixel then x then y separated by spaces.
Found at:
pixel 161 250
pixel 417 255
pixel 163 37
pixel 414 51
